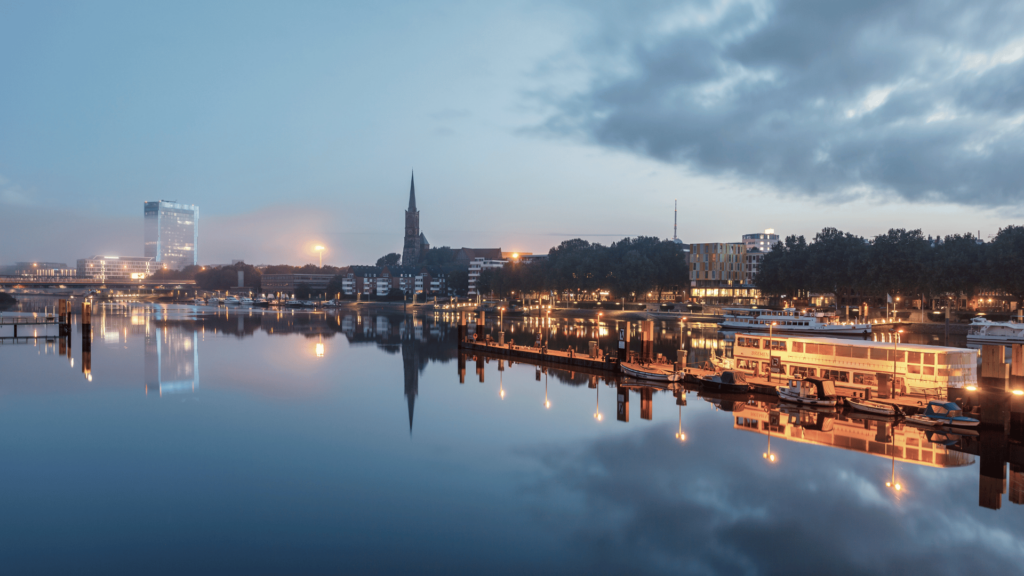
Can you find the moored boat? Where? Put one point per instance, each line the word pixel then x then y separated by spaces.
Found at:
pixel 948 414
pixel 809 391
pixel 789 321
pixel 656 372
pixel 984 331
pixel 727 381
pixel 870 407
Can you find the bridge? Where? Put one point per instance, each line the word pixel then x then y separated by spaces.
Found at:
pixel 72 282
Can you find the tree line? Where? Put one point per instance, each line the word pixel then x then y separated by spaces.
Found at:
pixel 899 262
pixel 629 268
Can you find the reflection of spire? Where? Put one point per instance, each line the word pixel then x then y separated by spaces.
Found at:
pixel 410 364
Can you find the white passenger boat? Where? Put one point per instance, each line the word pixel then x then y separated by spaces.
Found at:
pixel 871 407
pixel 810 391
pixel 790 321
pixel 656 372
pixel 984 331
pixel 231 301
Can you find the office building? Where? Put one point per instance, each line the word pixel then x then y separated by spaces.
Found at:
pixel 762 242
pixel 116 268
pixel 172 234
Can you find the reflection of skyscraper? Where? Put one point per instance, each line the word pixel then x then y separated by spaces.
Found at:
pixel 411 366
pixel 172 360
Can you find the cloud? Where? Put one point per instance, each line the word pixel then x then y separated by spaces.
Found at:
pixel 640 503
pixel 923 99
pixel 13 194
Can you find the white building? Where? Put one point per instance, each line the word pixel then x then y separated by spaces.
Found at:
pixel 762 242
pixel 478 265
pixel 116 268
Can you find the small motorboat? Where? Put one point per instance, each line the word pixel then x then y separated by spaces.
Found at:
pixel 261 303
pixel 727 381
pixel 657 372
pixel 245 301
pixel 871 407
pixel 810 391
pixel 231 301
pixel 199 301
pixel 921 421
pixel 948 414
pixel 293 303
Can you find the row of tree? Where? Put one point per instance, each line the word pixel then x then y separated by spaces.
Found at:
pixel 629 268
pixel 897 262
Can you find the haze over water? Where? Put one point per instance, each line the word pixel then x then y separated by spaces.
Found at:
pixel 213 442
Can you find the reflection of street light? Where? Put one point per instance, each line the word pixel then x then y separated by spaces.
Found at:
pixel 547 404
pixel 679 435
pixel 320 250
pixel 895 353
pixel 599 314
pixel 597 411
pixel 501 384
pixel 768 455
pixel 892 483
pixel 320 348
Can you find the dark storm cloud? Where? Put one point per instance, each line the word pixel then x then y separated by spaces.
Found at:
pixel 643 504
pixel 923 99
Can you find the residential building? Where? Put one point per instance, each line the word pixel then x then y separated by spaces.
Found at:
pixel 117 268
pixel 752 264
pixel 478 265
pixel 378 281
pixel 717 274
pixel 172 233
pixel 763 242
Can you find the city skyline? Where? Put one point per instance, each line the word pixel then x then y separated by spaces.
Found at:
pixel 296 127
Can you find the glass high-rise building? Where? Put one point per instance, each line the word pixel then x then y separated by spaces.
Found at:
pixel 172 233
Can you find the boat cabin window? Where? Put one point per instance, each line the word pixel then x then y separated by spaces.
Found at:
pixel 821 349
pixel 928 358
pixel 798 347
pixel 913 369
pixel 747 342
pixel 844 351
pixel 940 410
pixel 837 375
pixel 928 370
pixel 942 358
pixel 802 371
pixel 866 379
pixel 779 345
pixel 860 352
pixel 914 357
pixel 747 364
pixel 879 354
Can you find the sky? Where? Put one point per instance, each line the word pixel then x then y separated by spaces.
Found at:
pixel 527 123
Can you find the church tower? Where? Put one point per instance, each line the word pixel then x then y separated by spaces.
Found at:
pixel 412 249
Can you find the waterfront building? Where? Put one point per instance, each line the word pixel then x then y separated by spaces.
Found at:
pixel 379 281
pixel 478 265
pixel 118 268
pixel 287 283
pixel 172 233
pixel 763 242
pixel 415 245
pixel 717 274
pixel 919 370
pixel 48 269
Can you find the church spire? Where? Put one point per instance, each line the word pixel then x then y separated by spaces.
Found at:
pixel 412 193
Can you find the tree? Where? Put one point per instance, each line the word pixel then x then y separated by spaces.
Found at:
pixel 438 256
pixel 458 282
pixel 303 291
pixel 391 259
pixel 1006 261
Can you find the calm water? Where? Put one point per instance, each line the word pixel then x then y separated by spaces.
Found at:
pixel 205 442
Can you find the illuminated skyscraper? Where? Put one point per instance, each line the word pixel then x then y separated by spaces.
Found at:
pixel 172 233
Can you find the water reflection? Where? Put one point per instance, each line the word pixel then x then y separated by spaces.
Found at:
pixel 336 470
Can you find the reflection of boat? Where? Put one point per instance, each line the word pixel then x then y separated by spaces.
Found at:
pixel 949 414
pixel 726 401
pixel 921 421
pixel 819 418
pixel 654 372
pixel 810 391
pixel 871 407
pixel 293 303
pixel 727 381
pixel 790 321
pixel 983 330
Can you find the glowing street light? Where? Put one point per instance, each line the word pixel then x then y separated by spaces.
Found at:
pixel 320 251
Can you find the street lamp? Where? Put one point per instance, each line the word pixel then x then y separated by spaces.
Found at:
pixel 895 353
pixel 320 250
pixel 771 346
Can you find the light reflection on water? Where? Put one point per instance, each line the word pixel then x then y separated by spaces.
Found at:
pixel 362 442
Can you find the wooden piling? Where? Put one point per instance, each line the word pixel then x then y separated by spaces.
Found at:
pixel 993 361
pixel 1017 362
